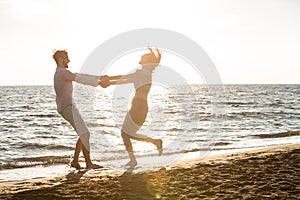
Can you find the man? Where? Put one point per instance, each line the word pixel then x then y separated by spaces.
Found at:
pixel 63 86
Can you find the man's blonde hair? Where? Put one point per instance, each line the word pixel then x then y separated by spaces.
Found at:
pixel 59 53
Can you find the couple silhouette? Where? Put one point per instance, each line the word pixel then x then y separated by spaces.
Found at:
pixel 135 118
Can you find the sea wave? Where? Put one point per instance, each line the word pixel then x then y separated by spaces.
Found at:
pixel 44 146
pixel 35 161
pixel 279 135
pixel 43 115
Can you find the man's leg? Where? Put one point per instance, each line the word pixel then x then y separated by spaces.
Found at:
pixel 67 114
pixel 85 140
pixel 77 150
pixel 75 162
pixel 72 115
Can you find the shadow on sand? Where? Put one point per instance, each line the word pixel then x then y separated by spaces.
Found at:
pixel 126 186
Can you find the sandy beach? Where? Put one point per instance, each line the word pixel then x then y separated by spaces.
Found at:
pixel 271 172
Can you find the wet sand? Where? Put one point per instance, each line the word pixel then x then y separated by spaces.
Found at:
pixel 272 173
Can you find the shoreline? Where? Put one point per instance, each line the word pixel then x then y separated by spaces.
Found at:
pixel 271 172
pixel 145 163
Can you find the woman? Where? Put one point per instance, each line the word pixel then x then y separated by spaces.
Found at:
pixel 136 116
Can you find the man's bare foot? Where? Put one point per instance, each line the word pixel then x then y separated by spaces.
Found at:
pixel 159 145
pixel 76 165
pixel 131 163
pixel 94 166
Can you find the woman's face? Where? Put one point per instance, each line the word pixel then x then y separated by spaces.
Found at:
pixel 148 59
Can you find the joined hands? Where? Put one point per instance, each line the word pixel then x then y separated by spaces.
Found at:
pixel 104 81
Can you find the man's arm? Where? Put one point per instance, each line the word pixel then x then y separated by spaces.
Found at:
pixel 87 79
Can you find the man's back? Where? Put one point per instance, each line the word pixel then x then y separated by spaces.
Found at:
pixel 63 88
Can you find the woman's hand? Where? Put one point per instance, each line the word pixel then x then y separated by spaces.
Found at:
pixel 104 81
pixel 158 57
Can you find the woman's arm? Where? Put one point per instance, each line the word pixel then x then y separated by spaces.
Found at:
pixel 121 79
pixel 118 77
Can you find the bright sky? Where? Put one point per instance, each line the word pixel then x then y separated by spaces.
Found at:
pixel 250 41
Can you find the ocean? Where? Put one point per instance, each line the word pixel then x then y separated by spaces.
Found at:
pixel 37 142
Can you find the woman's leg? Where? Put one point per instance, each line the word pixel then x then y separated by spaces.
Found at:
pixel 131 134
pixel 134 119
pixel 128 146
pixel 138 118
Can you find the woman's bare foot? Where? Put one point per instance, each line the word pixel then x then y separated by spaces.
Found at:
pixel 76 165
pixel 131 163
pixel 159 145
